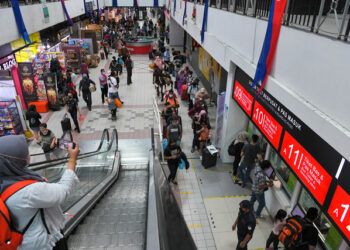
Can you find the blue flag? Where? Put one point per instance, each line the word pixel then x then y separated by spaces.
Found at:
pixel 115 3
pixel 205 19
pixel 183 18
pixel 86 11
pixel 19 21
pixel 155 4
pixel 174 7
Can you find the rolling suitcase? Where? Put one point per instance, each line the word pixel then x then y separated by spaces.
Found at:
pixel 65 124
pixel 102 55
pixel 208 159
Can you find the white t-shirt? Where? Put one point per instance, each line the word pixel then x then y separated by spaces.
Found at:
pixel 74 78
pixel 112 85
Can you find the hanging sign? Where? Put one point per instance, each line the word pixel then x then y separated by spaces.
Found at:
pixel 7 63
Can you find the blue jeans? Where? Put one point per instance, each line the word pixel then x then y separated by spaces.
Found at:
pixel 261 199
pixel 244 176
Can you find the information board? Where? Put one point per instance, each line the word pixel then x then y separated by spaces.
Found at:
pixel 319 167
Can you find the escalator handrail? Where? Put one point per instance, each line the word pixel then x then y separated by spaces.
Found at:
pixel 48 164
pixel 105 133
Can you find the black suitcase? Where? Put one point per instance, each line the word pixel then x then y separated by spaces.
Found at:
pixel 208 159
pixel 65 124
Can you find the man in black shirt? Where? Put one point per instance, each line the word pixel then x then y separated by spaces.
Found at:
pixel 245 224
pixel 309 235
pixel 73 108
pixel 84 86
pixel 172 155
pixel 129 66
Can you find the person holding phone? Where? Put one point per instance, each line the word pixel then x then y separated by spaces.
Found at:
pixel 48 138
pixel 40 200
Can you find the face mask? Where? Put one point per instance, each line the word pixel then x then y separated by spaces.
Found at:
pixel 171 95
pixel 241 211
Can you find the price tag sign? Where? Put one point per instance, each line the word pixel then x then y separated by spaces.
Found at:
pixel 339 210
pixel 244 99
pixel 310 172
pixel 268 125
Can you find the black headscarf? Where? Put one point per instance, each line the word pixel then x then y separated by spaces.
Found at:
pixel 13 161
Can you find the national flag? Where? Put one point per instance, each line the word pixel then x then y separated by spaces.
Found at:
pixel 183 18
pixel 270 43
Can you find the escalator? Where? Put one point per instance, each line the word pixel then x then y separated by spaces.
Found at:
pixel 121 202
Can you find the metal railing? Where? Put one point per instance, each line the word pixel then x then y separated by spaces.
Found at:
pixel 159 124
pixel 327 17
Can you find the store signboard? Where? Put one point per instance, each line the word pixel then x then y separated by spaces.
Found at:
pixel 29 88
pixel 7 62
pixel 317 164
pixel 244 99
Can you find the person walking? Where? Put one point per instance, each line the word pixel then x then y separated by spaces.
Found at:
pixel 73 109
pixel 309 234
pixel 34 117
pixel 238 144
pixel 35 206
pixel 84 87
pixel 129 64
pixel 113 85
pixel 245 224
pixel 113 66
pixel 192 91
pixel 105 49
pixel 174 131
pixel 172 155
pixel 260 185
pixel 103 85
pixel 278 223
pixel 84 69
pixel 249 154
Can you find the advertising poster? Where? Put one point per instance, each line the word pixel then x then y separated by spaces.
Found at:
pixel 210 68
pixel 51 88
pixel 72 56
pixel 29 88
pixel 39 68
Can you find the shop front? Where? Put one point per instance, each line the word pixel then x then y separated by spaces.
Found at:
pixel 307 171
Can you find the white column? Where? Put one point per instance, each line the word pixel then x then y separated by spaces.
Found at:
pixel 234 118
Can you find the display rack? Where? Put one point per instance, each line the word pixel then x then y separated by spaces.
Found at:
pixel 10 123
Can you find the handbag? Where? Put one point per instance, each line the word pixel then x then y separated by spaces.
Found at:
pixel 65 124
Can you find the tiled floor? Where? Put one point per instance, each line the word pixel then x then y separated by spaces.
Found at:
pixel 209 199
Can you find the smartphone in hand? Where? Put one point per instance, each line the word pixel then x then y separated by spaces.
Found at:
pixel 65 144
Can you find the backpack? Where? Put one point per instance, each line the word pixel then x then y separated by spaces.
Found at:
pixel 231 149
pixel 10 238
pixel 290 236
pixel 32 120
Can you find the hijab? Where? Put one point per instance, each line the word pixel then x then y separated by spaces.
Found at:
pixel 242 137
pixel 13 161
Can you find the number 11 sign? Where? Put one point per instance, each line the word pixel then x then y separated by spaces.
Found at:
pixel 310 172
pixel 339 210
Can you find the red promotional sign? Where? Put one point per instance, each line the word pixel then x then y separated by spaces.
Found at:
pixel 310 172
pixel 339 210
pixel 267 124
pixel 243 98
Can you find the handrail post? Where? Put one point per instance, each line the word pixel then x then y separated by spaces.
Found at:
pixel 346 9
pixel 319 16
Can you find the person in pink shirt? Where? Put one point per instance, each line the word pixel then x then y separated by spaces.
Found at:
pixel 103 85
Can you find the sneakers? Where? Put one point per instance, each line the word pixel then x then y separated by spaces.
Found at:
pixel 200 157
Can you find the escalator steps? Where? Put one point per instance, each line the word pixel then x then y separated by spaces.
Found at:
pixel 118 222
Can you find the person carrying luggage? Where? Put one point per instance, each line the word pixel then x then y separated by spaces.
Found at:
pixel 84 87
pixel 203 137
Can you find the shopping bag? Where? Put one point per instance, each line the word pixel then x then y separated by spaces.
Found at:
pixel 182 164
pixel 118 103
pixel 165 143
pixel 81 117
